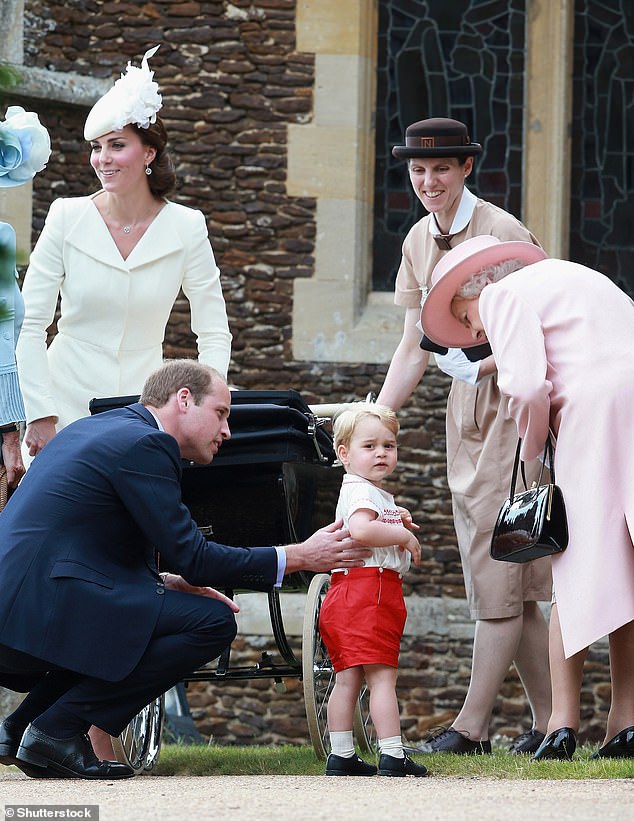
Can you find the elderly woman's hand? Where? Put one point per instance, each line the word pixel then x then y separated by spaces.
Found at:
pixel 12 457
pixel 38 433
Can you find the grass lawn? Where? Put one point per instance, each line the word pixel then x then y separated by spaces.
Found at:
pixel 291 760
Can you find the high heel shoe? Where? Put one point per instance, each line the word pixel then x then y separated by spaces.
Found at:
pixel 561 744
pixel 621 746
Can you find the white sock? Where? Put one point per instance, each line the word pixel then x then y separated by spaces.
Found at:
pixel 342 744
pixel 392 746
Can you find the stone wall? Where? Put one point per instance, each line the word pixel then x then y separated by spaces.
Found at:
pixel 232 83
pixel 434 676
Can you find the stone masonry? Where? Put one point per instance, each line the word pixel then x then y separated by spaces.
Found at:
pixel 232 82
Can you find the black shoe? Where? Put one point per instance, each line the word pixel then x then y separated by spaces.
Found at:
pixel 399 767
pixel 561 744
pixel 10 735
pixel 338 765
pixel 67 757
pixel 448 740
pixel 527 742
pixel 621 746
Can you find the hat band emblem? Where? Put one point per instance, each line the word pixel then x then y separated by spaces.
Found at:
pixel 434 142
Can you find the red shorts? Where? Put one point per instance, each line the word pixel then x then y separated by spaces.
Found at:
pixel 362 617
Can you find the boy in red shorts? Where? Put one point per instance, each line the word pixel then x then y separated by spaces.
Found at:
pixel 363 615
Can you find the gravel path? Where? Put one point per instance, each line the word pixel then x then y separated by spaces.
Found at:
pixel 294 798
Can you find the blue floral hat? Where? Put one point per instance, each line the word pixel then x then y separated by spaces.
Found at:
pixel 24 147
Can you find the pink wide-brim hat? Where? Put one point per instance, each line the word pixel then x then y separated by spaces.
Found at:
pixel 450 274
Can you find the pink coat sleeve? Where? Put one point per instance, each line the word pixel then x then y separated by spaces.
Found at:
pixel 515 333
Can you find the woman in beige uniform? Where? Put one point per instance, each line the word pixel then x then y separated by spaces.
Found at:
pixel 481 440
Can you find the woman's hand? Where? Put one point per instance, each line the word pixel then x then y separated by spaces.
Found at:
pixel 12 457
pixel 38 433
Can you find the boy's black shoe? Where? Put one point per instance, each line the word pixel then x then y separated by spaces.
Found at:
pixel 399 767
pixel 338 765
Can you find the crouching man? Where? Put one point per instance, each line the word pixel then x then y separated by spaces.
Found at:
pixel 89 629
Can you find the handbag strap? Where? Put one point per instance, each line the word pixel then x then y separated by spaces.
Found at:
pixel 548 455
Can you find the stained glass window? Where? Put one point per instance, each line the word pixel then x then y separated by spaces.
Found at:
pixel 602 195
pixel 446 58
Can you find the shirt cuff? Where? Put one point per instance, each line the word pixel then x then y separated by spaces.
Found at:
pixel 281 565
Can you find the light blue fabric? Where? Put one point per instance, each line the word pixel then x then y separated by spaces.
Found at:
pixel 11 316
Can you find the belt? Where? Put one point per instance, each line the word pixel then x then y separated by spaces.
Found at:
pixel 337 575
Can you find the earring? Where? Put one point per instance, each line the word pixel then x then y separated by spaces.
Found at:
pixel 148 170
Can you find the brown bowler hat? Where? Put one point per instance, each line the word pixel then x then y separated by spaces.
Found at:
pixel 437 137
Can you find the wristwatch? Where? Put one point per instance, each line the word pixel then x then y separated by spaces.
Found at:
pixel 12 427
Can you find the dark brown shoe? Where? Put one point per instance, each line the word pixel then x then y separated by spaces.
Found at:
pixel 67 757
pixel 448 740
pixel 527 742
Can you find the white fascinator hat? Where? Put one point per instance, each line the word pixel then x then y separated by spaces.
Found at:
pixel 134 98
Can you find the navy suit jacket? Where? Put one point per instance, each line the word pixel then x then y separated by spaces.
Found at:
pixel 79 586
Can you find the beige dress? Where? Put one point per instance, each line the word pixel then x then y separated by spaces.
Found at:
pixel 481 439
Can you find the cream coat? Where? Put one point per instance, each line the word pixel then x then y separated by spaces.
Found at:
pixel 113 311
pixel 563 339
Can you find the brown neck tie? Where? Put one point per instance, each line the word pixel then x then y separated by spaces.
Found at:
pixel 443 241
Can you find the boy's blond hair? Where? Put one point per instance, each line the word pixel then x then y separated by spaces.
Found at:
pixel 345 423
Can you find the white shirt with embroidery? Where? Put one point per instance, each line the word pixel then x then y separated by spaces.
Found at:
pixel 358 493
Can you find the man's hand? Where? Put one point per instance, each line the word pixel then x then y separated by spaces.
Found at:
pixel 327 548
pixel 174 582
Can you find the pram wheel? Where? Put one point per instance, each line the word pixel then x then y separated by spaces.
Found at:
pixel 139 745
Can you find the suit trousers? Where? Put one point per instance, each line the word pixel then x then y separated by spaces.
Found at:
pixel 191 630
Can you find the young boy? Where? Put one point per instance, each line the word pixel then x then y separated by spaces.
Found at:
pixel 363 614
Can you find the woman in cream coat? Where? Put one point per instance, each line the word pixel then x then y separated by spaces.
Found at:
pixel 118 260
pixel 550 324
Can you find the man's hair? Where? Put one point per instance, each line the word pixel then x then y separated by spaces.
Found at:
pixel 346 422
pixel 175 374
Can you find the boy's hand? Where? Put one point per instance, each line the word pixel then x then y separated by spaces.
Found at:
pixel 406 518
pixel 413 547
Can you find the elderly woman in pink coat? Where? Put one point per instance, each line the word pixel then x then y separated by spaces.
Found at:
pixel 552 325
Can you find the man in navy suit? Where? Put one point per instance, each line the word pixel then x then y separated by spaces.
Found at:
pixel 88 626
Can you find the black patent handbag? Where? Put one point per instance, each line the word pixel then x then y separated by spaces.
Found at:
pixel 531 524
